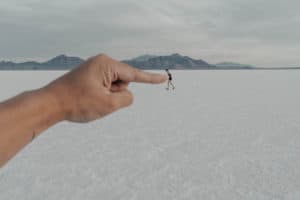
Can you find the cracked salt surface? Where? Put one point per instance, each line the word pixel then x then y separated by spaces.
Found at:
pixel 219 135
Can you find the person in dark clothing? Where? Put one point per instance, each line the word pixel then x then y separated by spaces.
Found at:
pixel 170 80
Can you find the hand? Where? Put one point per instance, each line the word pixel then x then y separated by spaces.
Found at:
pixel 98 87
pixel 93 90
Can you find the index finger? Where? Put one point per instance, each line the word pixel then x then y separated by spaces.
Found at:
pixel 130 74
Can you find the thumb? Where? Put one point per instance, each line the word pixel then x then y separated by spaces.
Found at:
pixel 121 99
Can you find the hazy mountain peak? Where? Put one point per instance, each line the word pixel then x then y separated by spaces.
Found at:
pixel 64 60
pixel 143 57
pixel 176 55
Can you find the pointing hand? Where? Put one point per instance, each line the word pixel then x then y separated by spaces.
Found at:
pixel 98 87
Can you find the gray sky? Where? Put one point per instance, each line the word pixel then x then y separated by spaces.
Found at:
pixel 258 32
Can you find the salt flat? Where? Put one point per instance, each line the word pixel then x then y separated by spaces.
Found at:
pixel 219 135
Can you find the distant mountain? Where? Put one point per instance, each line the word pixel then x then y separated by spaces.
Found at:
pixel 232 65
pixel 61 62
pixel 143 58
pixel 174 61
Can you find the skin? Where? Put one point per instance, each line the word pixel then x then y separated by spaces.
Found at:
pixel 93 90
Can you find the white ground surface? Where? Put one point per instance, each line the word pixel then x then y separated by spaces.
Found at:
pixel 219 135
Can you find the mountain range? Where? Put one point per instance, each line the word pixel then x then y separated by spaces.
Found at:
pixel 61 62
pixel 173 61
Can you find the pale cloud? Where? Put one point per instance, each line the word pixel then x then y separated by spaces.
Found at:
pixel 260 32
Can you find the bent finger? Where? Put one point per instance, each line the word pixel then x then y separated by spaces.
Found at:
pixel 119 86
pixel 121 99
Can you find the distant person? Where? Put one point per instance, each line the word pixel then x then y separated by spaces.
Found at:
pixel 170 80
pixel 96 88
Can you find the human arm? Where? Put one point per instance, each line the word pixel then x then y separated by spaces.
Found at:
pixel 96 88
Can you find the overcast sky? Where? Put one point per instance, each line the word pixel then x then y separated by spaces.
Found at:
pixel 258 32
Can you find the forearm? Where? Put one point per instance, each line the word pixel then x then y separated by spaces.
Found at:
pixel 24 117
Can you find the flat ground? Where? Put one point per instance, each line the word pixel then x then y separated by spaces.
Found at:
pixel 219 135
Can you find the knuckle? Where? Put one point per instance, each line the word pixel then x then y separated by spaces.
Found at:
pixel 100 57
pixel 131 100
pixel 113 103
